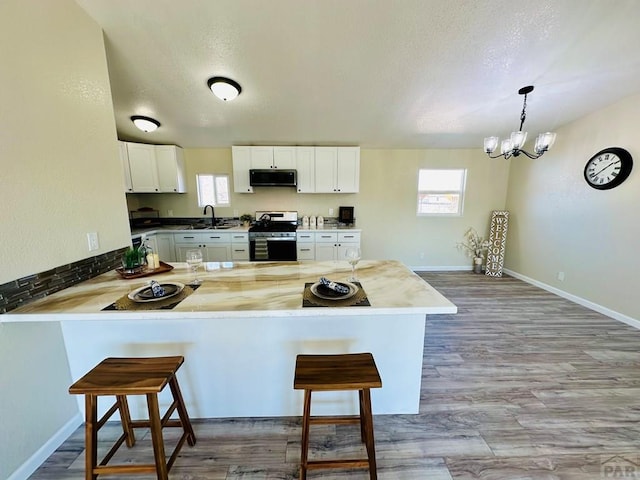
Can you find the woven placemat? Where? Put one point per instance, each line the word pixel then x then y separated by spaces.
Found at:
pixel 358 300
pixel 125 303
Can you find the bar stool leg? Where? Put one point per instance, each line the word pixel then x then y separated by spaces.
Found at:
pixel 125 419
pixel 90 436
pixel 367 421
pixel 304 453
pixel 182 411
pixel 156 436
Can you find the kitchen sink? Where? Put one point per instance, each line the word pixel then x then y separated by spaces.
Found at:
pixel 209 227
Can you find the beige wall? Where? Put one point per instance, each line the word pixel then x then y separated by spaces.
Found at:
pixel 58 152
pixel 560 224
pixel 60 179
pixel 385 208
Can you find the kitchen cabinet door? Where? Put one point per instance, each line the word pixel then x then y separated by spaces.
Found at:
pixel 241 166
pixel 126 171
pixel 170 165
pixel 305 165
pixel 284 158
pixel 325 251
pixel 142 165
pixel 261 157
pixel 165 248
pixel 348 170
pixel 325 169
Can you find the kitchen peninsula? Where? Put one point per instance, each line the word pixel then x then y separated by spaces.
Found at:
pixel 241 330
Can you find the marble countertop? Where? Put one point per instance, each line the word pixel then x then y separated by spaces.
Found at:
pixel 245 289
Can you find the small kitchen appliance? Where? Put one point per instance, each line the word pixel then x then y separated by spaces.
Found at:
pixel 345 215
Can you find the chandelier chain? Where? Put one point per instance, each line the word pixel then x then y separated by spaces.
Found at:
pixel 523 115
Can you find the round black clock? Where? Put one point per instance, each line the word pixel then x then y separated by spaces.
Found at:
pixel 608 168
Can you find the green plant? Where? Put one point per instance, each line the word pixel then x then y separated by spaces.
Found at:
pixel 133 257
pixel 245 217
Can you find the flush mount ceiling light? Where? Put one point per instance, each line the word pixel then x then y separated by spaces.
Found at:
pixel 224 88
pixel 145 124
pixel 512 146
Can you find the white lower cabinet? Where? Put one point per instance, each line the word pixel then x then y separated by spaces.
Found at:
pixel 331 245
pixel 216 247
pixel 305 245
pixel 165 248
pixel 239 246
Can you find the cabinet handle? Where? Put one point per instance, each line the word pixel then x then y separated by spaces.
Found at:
pixel 188 237
pixel 348 236
pixel 305 249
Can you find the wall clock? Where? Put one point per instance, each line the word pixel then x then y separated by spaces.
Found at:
pixel 608 168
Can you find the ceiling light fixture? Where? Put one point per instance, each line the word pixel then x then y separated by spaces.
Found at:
pixel 145 124
pixel 224 88
pixel 512 146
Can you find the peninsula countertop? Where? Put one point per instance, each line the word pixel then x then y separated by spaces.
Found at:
pixel 246 288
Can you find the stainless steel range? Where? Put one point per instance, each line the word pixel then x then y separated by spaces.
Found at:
pixel 273 236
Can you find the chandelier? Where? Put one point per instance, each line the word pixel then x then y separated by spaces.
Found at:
pixel 512 146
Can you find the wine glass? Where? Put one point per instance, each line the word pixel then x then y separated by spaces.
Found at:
pixel 352 254
pixel 194 259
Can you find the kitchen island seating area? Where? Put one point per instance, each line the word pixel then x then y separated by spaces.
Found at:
pixel 121 377
pixel 330 373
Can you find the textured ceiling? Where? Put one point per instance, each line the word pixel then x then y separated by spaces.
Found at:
pixel 374 73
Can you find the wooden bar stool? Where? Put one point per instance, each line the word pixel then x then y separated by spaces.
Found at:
pixel 132 376
pixel 356 371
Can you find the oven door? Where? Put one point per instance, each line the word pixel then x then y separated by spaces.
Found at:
pixel 272 249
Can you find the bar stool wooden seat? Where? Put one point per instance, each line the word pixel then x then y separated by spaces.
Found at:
pixel 132 376
pixel 356 371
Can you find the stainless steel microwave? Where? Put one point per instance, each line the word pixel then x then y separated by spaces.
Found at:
pixel 272 178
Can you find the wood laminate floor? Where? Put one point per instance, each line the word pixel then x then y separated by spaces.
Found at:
pixel 520 384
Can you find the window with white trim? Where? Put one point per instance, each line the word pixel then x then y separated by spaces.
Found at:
pixel 213 190
pixel 441 191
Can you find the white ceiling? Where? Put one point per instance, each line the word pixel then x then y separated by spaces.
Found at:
pixel 374 73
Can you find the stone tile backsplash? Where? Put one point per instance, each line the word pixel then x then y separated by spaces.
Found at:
pixel 17 292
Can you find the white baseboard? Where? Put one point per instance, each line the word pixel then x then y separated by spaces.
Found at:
pixel 579 300
pixel 561 293
pixel 44 452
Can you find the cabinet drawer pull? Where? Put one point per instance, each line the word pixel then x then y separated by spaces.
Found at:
pixel 348 236
pixel 305 249
pixel 188 237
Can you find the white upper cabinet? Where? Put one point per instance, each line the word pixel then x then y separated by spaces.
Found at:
pixel 348 170
pixel 337 169
pixel 261 157
pixel 320 169
pixel 284 158
pixel 273 157
pixel 305 165
pixel 142 165
pixel 153 168
pixel 170 164
pixel 241 157
pixel 126 172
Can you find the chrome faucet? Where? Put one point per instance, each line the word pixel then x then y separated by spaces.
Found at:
pixel 213 215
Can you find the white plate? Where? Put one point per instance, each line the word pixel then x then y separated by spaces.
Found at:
pixel 136 297
pixel 353 289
